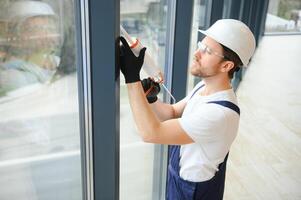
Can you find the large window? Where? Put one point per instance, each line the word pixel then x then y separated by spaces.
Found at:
pixel 145 20
pixel 39 118
pixel 283 16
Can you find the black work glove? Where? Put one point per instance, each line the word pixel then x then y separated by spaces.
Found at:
pixel 152 89
pixel 130 65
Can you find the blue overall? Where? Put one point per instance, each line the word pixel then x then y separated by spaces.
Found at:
pixel 180 189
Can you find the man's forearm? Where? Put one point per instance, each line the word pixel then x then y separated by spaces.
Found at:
pixel 146 120
pixel 163 111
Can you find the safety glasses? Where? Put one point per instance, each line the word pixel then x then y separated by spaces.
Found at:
pixel 205 49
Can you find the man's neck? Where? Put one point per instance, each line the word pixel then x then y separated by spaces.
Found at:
pixel 214 84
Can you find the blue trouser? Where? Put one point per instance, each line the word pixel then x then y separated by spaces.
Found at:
pixel 179 189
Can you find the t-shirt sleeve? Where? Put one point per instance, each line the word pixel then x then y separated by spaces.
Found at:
pixel 205 123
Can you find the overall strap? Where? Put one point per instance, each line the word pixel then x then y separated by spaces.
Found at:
pixel 227 104
pixel 224 103
pixel 196 91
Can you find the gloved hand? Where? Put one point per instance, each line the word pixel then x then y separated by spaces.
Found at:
pixel 151 88
pixel 130 65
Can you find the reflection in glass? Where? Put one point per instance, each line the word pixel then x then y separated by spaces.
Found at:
pixel 283 16
pixel 39 119
pixel 32 48
pixel 198 22
pixel 145 20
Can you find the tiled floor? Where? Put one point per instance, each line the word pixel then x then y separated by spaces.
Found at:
pixel 265 159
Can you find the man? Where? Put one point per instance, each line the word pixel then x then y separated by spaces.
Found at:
pixel 202 126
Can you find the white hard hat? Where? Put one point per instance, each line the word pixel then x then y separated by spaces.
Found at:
pixel 25 9
pixel 235 35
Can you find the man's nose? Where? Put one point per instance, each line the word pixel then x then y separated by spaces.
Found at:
pixel 198 54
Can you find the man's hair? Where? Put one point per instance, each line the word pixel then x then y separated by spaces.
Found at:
pixel 232 56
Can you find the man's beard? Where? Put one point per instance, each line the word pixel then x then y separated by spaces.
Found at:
pixel 200 73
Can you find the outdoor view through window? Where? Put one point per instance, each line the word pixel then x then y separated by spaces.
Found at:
pixel 283 16
pixel 145 20
pixel 39 119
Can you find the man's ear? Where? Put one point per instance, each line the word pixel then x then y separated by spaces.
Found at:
pixel 227 65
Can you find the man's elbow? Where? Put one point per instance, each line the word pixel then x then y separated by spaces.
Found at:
pixel 149 136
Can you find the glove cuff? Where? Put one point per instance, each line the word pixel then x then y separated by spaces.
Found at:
pixel 132 78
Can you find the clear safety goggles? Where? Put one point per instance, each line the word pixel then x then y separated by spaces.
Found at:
pixel 205 49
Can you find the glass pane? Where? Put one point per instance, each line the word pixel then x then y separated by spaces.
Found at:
pixel 200 15
pixel 145 20
pixel 39 117
pixel 226 8
pixel 283 16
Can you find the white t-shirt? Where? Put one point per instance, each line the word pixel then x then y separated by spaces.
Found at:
pixel 213 128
